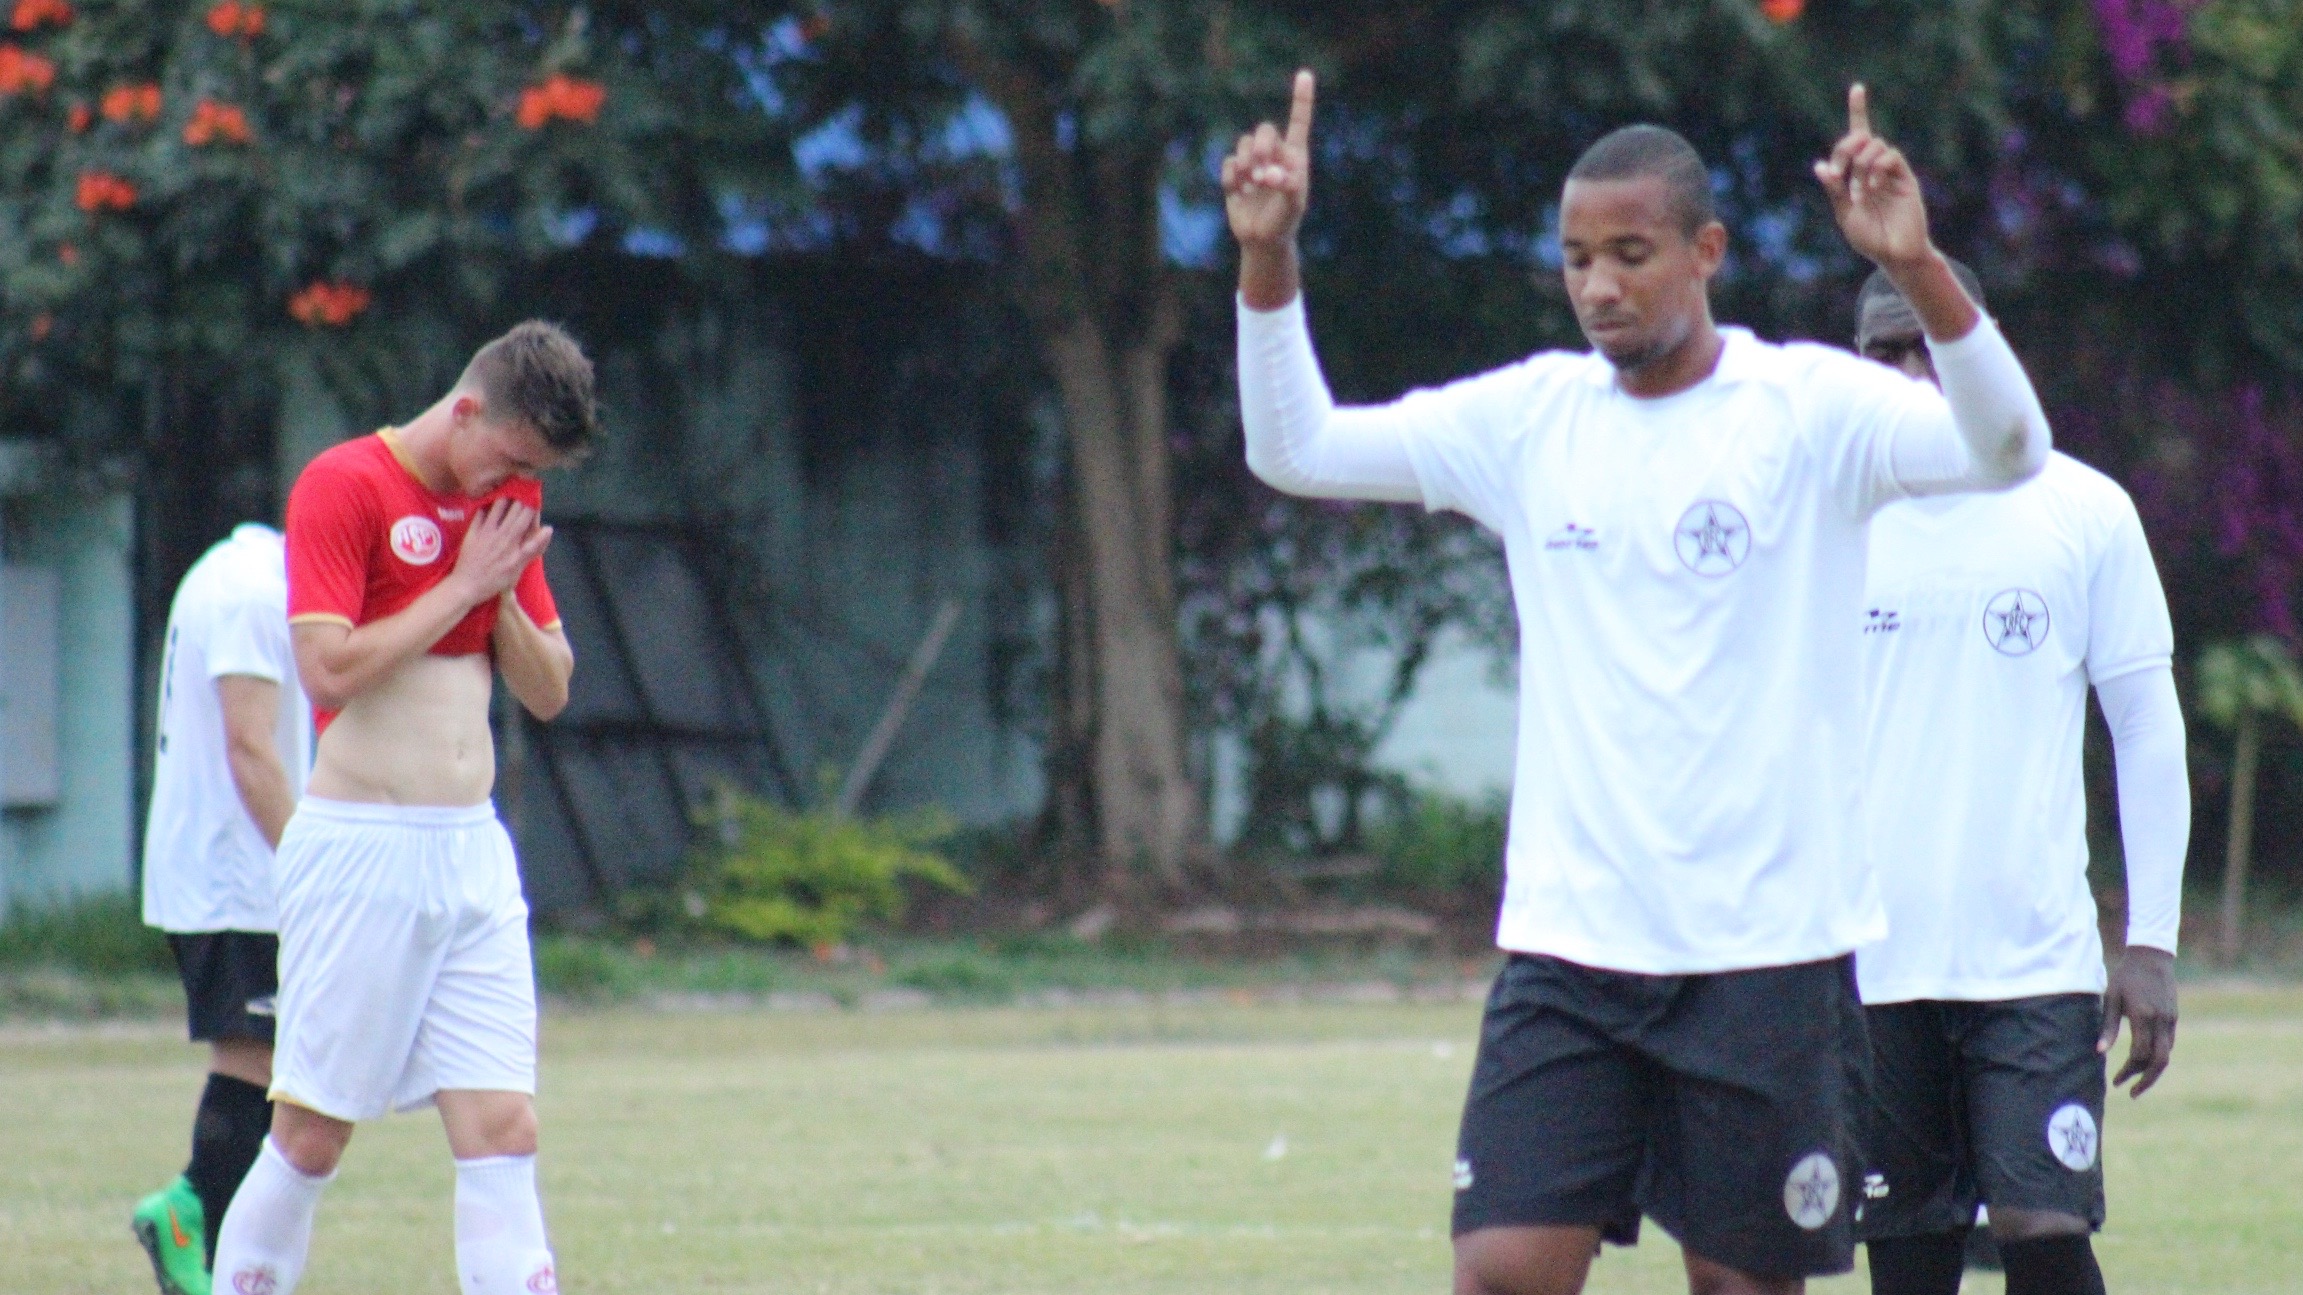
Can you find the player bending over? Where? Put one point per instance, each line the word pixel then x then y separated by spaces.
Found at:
pixel 415 572
pixel 234 740
pixel 1676 1031
pixel 1986 618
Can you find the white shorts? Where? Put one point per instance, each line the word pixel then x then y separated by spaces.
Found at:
pixel 404 960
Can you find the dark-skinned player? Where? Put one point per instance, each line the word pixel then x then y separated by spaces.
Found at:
pixel 1676 1031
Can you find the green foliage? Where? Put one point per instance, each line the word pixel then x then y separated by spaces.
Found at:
pixel 1442 843
pixel 101 934
pixel 395 150
pixel 2253 675
pixel 809 877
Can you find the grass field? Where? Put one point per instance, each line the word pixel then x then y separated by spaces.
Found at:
pixel 1216 1147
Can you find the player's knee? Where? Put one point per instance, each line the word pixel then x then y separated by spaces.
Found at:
pixel 496 1124
pixel 312 1142
pixel 1705 1277
pixel 2011 1226
pixel 1523 1261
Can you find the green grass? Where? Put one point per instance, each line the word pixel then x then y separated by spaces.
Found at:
pixel 1114 1149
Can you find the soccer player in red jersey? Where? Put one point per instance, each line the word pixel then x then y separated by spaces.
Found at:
pixel 415 574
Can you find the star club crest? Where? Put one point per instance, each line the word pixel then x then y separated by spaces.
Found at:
pixel 1713 538
pixel 2071 1135
pixel 1811 1192
pixel 2015 622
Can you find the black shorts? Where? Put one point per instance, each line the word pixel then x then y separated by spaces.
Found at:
pixel 1724 1106
pixel 1998 1103
pixel 231 983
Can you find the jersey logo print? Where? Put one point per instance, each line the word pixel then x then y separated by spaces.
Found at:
pixel 1879 620
pixel 2071 1136
pixel 2015 622
pixel 1571 537
pixel 1712 539
pixel 416 540
pixel 1811 1193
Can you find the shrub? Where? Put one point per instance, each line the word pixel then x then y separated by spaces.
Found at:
pixel 100 934
pixel 809 877
pixel 1436 842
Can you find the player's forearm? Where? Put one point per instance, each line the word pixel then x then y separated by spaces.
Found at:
pixel 337 664
pixel 536 663
pixel 1997 435
pixel 2150 756
pixel 1270 274
pixel 1297 440
pixel 262 782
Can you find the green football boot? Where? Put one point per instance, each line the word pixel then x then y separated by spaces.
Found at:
pixel 174 1232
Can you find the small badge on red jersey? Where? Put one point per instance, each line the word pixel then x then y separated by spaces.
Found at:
pixel 416 540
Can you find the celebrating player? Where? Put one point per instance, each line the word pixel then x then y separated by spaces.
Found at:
pixel 1676 1031
pixel 1986 618
pixel 234 742
pixel 414 573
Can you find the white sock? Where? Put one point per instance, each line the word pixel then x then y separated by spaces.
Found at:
pixel 266 1233
pixel 500 1244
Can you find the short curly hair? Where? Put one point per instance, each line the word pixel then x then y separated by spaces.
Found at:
pixel 538 375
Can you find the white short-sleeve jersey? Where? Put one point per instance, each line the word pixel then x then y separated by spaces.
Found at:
pixel 1986 618
pixel 1690 730
pixel 207 866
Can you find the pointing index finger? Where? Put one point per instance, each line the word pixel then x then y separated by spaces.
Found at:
pixel 1858 110
pixel 1299 114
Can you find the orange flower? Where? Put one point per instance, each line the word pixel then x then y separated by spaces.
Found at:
pixel 79 118
pixel 231 18
pixel 67 255
pixel 30 15
pixel 561 95
pixel 214 122
pixel 41 323
pixel 24 73
pixel 1782 11
pixel 137 102
pixel 104 191
pixel 322 304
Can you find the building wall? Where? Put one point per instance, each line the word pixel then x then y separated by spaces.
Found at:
pixel 82 841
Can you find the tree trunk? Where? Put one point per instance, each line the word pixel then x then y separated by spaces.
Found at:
pixel 1146 808
pixel 1095 285
pixel 2242 839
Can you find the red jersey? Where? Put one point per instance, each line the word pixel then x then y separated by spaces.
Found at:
pixel 366 538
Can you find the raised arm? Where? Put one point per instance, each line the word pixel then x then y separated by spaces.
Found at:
pixel 1297 440
pixel 1998 435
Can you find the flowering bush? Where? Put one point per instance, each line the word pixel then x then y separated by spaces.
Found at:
pixel 100 191
pixel 31 15
pixel 138 102
pixel 561 96
pixel 23 72
pixel 329 305
pixel 233 20
pixel 217 123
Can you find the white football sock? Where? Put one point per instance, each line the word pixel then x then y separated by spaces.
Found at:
pixel 500 1244
pixel 265 1235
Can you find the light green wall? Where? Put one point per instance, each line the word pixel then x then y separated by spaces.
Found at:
pixel 85 841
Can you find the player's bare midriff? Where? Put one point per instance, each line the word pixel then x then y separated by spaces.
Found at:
pixel 420 737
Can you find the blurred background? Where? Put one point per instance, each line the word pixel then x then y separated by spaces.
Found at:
pixel 907 305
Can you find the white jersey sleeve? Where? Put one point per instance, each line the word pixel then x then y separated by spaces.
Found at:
pixel 1896 438
pixel 1438 447
pixel 2149 753
pixel 249 636
pixel 2128 628
pixel 2130 650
